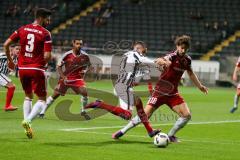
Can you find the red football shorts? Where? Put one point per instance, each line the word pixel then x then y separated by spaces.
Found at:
pixel 62 86
pixel 33 81
pixel 171 101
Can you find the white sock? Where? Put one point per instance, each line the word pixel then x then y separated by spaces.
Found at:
pixel 236 98
pixel 36 109
pixel 180 123
pixel 49 101
pixel 84 100
pixel 27 105
pixel 134 122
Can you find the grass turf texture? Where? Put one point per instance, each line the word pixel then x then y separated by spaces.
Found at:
pixel 199 141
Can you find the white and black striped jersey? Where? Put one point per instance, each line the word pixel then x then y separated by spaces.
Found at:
pixel 4 64
pixel 142 74
pixel 129 67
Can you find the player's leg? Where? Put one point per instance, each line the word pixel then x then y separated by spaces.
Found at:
pixel 236 99
pixel 184 117
pixel 82 90
pixel 123 111
pixel 49 102
pixel 149 109
pixel 25 78
pixel 144 118
pixel 60 89
pixel 6 82
pixel 39 86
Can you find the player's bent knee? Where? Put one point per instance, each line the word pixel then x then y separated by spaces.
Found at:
pixel 187 116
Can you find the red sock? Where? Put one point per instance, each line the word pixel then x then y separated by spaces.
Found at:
pixel 142 115
pixel 10 92
pixel 150 87
pixel 118 111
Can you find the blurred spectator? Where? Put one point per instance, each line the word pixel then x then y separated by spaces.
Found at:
pixel 139 2
pixel 197 47
pixel 225 29
pixel 207 26
pixel 28 10
pixel 196 15
pixel 13 11
pixel 104 14
pixel 171 40
pixel 215 26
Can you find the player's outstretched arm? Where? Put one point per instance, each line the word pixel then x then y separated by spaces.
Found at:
pixel 60 72
pixel 47 56
pixel 196 81
pixel 235 72
pixel 6 45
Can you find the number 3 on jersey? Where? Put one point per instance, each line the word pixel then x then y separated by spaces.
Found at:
pixel 30 44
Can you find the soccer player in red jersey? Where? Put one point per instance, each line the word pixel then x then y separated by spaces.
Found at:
pixel 36 45
pixel 234 77
pixel 166 89
pixel 72 75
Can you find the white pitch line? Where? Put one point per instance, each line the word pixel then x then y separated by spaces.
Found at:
pixel 155 125
pixel 187 140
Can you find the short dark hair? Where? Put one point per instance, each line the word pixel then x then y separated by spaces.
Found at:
pixel 140 43
pixel 77 39
pixel 14 45
pixel 183 40
pixel 42 12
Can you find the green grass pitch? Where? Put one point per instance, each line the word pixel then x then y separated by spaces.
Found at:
pixel 213 133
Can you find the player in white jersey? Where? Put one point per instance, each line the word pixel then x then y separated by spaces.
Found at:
pixel 236 97
pixel 129 66
pixel 5 81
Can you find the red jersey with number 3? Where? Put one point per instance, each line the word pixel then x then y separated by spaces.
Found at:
pixel 34 41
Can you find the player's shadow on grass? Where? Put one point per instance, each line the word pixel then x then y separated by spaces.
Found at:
pixel 97 144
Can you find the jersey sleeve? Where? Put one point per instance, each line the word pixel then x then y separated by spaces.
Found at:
pixel 61 61
pixel 189 64
pixel 48 43
pixel 15 36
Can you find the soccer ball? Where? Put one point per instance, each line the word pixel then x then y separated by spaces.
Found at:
pixel 161 140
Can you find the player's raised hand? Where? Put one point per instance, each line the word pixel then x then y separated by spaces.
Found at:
pixel 163 62
pixel 11 65
pixel 204 89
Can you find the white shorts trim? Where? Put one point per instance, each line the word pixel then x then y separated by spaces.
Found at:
pixel 31 68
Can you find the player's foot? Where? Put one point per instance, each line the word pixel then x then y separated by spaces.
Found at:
pixel 10 108
pixel 233 109
pixel 41 115
pixel 85 115
pixel 154 132
pixel 174 139
pixel 117 135
pixel 95 104
pixel 28 130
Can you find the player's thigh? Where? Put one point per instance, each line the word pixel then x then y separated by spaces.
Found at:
pixel 238 90
pixel 125 95
pixel 149 109
pixel 26 81
pixel 80 90
pixel 182 110
pixel 4 80
pixel 40 84
pixel 60 89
